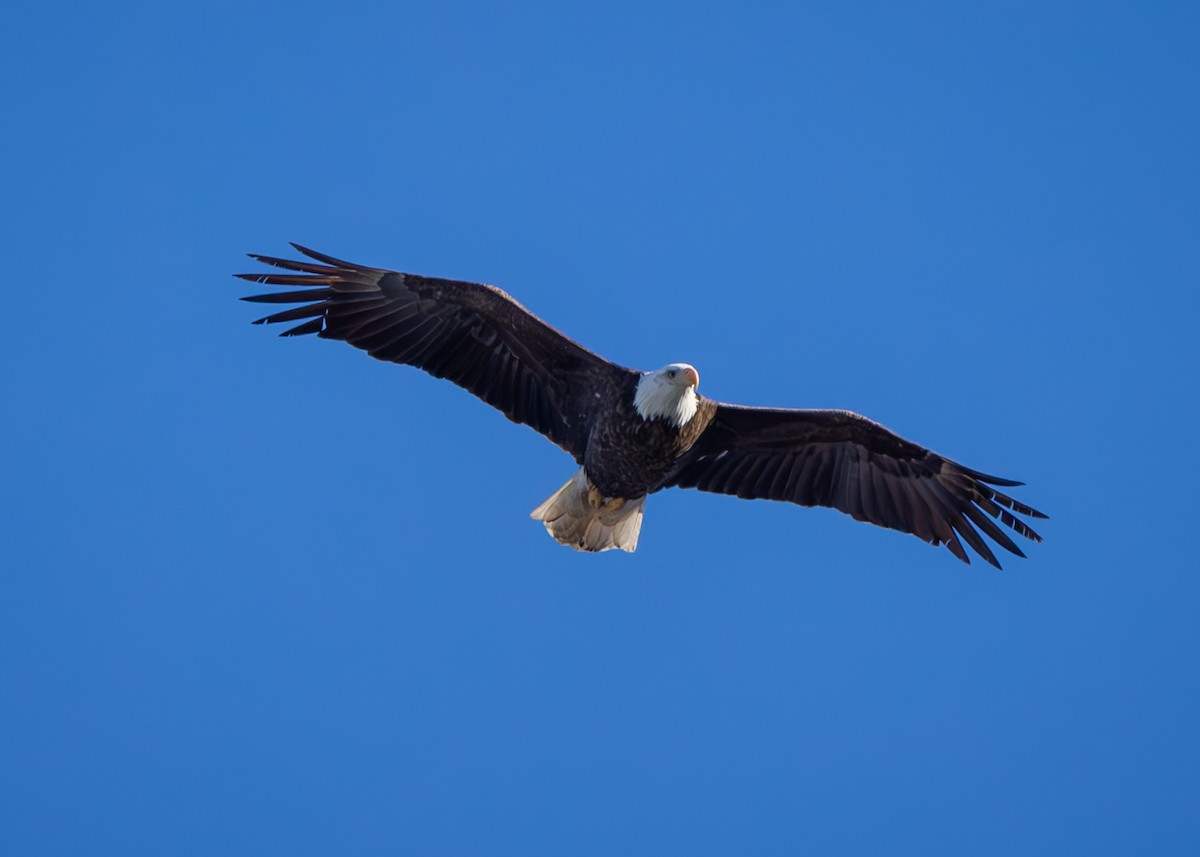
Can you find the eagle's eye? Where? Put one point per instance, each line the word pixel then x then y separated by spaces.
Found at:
pixel 671 374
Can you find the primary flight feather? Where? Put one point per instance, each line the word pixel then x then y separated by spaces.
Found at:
pixel 633 433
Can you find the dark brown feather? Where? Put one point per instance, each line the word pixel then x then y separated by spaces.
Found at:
pixel 843 460
pixel 474 335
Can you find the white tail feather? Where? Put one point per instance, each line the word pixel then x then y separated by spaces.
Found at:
pixel 578 516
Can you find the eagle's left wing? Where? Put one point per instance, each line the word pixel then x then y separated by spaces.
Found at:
pixel 846 461
pixel 474 335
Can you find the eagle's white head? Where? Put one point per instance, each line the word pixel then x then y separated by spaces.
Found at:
pixel 668 393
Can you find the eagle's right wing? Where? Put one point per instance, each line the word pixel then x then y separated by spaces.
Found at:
pixel 844 460
pixel 474 335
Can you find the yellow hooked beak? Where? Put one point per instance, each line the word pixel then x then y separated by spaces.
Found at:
pixel 692 376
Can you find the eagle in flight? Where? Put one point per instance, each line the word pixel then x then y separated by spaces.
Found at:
pixel 633 433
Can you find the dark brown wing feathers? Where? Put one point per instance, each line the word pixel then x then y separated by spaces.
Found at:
pixel 474 335
pixel 845 461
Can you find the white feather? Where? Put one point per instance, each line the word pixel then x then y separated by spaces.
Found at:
pixel 576 515
pixel 666 394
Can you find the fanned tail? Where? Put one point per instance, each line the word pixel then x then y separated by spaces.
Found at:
pixel 577 515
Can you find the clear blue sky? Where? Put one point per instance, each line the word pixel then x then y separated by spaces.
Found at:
pixel 237 615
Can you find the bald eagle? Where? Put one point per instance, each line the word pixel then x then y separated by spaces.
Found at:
pixel 633 433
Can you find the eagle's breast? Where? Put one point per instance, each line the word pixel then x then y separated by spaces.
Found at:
pixel 628 456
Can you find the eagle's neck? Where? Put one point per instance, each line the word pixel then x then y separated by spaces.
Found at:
pixel 658 399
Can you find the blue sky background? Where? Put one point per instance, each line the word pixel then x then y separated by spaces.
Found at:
pixel 237 611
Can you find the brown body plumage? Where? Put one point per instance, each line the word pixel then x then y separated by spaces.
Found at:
pixel 627 456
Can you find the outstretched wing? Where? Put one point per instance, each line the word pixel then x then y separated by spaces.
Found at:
pixel 848 462
pixel 474 335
